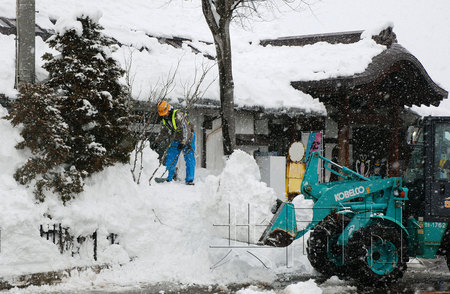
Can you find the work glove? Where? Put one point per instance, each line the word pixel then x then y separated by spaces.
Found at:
pixel 180 146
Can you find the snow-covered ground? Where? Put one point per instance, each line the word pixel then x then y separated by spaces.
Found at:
pixel 173 232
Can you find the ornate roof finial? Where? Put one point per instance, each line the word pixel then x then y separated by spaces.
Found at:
pixel 386 37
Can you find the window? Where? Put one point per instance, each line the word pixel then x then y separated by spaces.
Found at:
pixel 442 151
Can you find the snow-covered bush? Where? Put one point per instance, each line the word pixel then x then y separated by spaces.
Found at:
pixel 46 135
pixel 81 116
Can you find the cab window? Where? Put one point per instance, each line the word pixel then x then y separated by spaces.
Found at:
pixel 442 152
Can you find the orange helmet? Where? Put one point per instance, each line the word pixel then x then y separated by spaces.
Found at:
pixel 163 108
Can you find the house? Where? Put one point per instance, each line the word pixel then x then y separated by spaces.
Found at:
pixel 353 87
pixel 367 113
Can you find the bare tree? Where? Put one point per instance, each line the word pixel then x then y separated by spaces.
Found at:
pixel 145 122
pixel 129 74
pixel 218 15
pixel 193 91
pixel 196 89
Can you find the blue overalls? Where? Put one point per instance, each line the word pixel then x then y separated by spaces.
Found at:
pixel 173 153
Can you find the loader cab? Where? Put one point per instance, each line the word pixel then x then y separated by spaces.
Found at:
pixel 428 172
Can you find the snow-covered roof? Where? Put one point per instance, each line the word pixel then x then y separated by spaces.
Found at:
pixel 394 73
pixel 262 75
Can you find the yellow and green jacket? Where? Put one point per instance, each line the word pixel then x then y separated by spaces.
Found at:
pixel 177 121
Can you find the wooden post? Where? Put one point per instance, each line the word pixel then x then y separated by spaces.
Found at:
pixel 394 164
pixel 343 144
pixel 344 135
pixel 25 42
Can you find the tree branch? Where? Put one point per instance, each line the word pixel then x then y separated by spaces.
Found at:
pixel 207 7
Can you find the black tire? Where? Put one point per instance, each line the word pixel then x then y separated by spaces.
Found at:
pixel 445 247
pixel 447 257
pixel 377 254
pixel 323 253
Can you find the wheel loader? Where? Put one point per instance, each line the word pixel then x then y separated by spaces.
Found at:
pixel 367 228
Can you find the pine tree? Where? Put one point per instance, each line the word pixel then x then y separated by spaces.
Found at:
pixel 77 123
pixel 45 133
pixel 95 103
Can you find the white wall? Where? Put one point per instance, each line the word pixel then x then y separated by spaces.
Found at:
pixel 214 141
pixel 214 146
pixel 244 123
pixel 262 126
pixel 273 173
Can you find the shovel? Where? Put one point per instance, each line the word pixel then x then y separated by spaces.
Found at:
pixel 163 158
pixel 161 180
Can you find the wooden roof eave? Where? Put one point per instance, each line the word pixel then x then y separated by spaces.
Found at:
pixel 212 104
pixel 388 62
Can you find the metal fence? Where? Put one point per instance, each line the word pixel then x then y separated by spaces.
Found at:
pixel 60 236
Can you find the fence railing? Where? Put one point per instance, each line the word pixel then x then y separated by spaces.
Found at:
pixel 60 236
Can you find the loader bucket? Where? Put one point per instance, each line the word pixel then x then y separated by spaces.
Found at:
pixel 282 229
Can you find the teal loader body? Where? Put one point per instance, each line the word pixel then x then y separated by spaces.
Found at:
pixel 377 199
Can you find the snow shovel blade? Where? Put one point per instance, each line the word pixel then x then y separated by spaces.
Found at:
pixel 160 180
pixel 282 229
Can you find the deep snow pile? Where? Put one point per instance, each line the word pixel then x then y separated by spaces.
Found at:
pixel 167 229
pixel 237 197
pixel 22 249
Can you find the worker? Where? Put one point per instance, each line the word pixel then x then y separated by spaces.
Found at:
pixel 176 123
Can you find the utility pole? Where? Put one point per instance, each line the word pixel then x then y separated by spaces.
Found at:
pixel 25 41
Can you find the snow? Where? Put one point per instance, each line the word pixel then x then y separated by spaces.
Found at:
pixel 311 62
pixel 64 25
pixel 171 231
pixel 254 290
pixel 368 33
pixel 303 213
pixel 22 249
pixel 308 287
pixel 7 74
pixel 240 189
